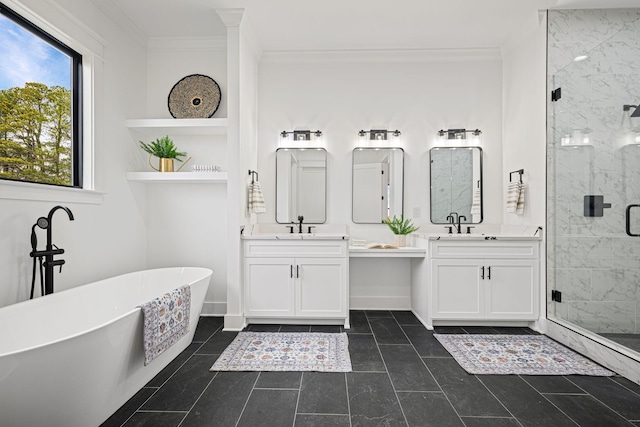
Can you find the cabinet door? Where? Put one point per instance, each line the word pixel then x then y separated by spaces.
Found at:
pixel 321 287
pixel 511 292
pixel 457 292
pixel 269 287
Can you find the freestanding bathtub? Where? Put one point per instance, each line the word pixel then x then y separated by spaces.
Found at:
pixel 73 358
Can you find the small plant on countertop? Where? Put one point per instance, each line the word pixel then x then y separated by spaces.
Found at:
pixel 400 225
pixel 162 148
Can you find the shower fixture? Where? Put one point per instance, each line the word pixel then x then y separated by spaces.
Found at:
pixel 628 107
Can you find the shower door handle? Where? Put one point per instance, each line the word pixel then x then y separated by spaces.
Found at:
pixel 628 220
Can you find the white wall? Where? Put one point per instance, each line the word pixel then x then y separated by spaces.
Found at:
pixel 107 238
pixel 187 223
pixel 419 94
pixel 171 59
pixel 524 119
pixel 242 56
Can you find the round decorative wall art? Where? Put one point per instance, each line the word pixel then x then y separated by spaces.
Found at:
pixel 194 97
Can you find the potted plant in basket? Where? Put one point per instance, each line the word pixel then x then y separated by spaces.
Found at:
pixel 400 228
pixel 165 150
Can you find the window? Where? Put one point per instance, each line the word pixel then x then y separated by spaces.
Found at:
pixel 40 105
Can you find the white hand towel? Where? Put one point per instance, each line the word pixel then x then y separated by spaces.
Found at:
pixel 256 198
pixel 475 206
pixel 520 203
pixel 513 194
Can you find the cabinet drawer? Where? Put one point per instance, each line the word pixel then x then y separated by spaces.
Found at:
pixel 262 248
pixel 485 249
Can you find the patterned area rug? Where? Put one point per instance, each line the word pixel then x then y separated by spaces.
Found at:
pixel 517 354
pixel 275 351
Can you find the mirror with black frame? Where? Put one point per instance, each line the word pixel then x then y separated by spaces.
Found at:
pixel 377 184
pixel 301 185
pixel 456 184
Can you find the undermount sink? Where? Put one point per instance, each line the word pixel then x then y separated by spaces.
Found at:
pixel 488 237
pixel 283 232
pixel 299 236
pixel 312 236
pixel 461 236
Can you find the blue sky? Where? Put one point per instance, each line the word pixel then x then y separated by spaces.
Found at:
pixel 26 58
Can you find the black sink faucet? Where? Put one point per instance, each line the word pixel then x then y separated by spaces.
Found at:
pixel 454 220
pixel 300 218
pixel 460 218
pixel 49 252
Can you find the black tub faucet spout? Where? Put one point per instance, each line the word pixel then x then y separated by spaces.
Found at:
pixel 49 252
pixel 49 262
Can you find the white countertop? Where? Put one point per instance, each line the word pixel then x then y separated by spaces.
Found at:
pixel 401 252
pixel 297 236
pixel 478 237
pixel 282 232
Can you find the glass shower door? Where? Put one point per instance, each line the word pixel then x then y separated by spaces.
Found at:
pixel 593 173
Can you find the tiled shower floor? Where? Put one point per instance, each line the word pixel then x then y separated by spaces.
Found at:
pixel 631 341
pixel 401 376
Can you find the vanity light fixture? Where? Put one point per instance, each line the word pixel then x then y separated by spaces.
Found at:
pixel 459 137
pixel 379 134
pixel 301 135
pixel 300 138
pixel 457 133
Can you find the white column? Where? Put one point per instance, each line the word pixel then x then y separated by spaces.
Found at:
pixel 234 319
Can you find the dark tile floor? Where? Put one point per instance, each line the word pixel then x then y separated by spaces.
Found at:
pixel 401 376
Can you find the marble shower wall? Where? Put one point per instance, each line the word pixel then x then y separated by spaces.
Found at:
pixel 591 151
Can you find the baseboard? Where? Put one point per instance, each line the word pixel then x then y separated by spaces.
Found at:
pixel 234 322
pixel 379 303
pixel 424 322
pixel 214 308
pixel 499 323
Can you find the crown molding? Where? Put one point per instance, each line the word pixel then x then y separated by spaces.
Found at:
pixel 382 55
pixel 231 17
pixel 190 44
pixel 122 20
pixel 78 35
pixel 84 27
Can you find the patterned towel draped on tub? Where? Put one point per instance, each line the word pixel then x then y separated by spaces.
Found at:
pixel 166 320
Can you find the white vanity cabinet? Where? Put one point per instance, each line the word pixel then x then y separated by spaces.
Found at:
pixel 484 280
pixel 301 280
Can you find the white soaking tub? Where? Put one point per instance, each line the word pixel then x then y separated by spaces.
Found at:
pixel 73 358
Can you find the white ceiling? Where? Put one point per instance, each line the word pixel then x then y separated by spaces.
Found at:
pixel 285 25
